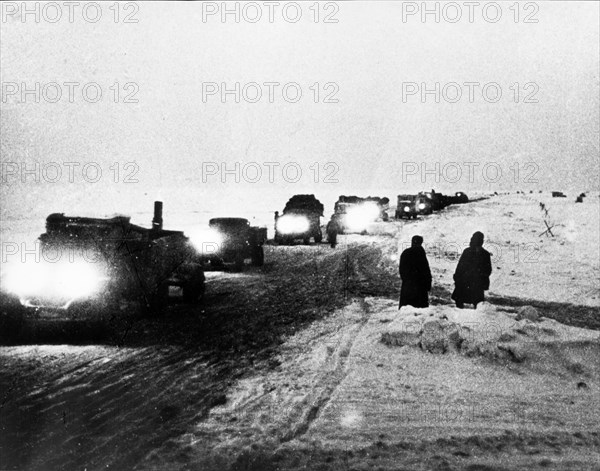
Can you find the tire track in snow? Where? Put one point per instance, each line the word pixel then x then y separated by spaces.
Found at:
pixel 330 379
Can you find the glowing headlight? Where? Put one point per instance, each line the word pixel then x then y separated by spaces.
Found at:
pixel 406 209
pixel 77 280
pixel 66 281
pixel 289 224
pixel 371 210
pixel 359 217
pixel 422 206
pixel 355 222
pixel 206 240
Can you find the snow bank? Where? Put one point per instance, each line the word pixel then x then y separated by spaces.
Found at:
pixel 486 331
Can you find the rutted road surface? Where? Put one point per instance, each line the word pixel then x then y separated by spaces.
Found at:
pixel 109 403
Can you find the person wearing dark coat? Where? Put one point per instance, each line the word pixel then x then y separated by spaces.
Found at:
pixel 472 276
pixel 415 275
pixel 333 229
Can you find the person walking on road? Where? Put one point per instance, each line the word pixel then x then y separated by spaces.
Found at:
pixel 415 275
pixel 333 228
pixel 472 276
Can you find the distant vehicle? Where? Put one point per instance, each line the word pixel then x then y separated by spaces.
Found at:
pixel 461 198
pixel 579 199
pixel 429 201
pixel 301 219
pixel 355 213
pixel 103 262
pixel 435 200
pixel 558 194
pixel 408 206
pixel 232 241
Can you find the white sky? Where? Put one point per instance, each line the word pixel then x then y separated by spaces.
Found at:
pixel 369 134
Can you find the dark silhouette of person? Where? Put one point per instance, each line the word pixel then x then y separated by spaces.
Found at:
pixel 415 275
pixel 472 275
pixel 333 228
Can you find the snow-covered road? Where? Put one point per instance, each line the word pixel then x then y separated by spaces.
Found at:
pixel 291 366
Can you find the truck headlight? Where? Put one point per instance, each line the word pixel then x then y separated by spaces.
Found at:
pixel 207 240
pixel 422 206
pixel 359 217
pixel 406 209
pixel 289 224
pixel 61 280
pixel 77 280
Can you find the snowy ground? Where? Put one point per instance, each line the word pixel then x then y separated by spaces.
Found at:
pixel 307 363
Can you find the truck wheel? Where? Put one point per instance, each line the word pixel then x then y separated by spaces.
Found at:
pixel 193 291
pixel 159 298
pixel 319 237
pixel 238 264
pixel 258 256
pixel 306 240
pixel 283 240
pixel 194 284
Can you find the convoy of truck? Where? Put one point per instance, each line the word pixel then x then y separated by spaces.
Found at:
pixel 112 261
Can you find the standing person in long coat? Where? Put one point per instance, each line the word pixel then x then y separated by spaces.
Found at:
pixel 415 275
pixel 472 276
pixel 333 229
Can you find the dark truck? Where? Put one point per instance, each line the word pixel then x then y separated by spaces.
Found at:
pixel 411 206
pixel 439 201
pixel 434 201
pixel 460 198
pixel 407 207
pixel 235 240
pixel 97 264
pixel 301 219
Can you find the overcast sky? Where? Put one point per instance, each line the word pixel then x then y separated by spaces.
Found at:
pixel 377 139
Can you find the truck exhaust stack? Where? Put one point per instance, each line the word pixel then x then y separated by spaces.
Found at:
pixel 157 221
